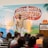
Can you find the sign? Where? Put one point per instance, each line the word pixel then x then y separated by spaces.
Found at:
pixel 29 12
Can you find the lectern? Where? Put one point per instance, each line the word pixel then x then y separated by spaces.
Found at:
pixel 43 29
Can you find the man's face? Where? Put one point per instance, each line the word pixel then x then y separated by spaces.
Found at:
pixel 0 34
pixel 19 17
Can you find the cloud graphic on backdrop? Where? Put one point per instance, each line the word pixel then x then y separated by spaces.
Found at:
pixel 8 21
pixel 6 18
pixel 8 10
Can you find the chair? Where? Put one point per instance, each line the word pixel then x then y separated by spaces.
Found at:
pixel 3 46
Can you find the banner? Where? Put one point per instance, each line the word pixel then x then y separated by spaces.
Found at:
pixel 31 14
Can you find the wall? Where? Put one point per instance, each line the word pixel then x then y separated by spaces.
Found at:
pixel 8 2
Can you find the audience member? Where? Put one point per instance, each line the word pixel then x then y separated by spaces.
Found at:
pixel 27 36
pixel 40 40
pixel 1 38
pixel 16 37
pixel 21 42
pixel 45 42
pixel 1 35
pixel 32 43
pixel 9 37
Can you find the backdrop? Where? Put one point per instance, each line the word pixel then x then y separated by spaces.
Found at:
pixel 8 19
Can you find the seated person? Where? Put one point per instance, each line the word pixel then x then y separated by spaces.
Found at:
pixel 45 43
pixel 1 34
pixel 1 41
pixel 21 42
pixel 1 38
pixel 9 37
pixel 32 43
pixel 16 37
pixel 39 41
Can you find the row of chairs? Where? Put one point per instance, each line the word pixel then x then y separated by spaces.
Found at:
pixel 4 45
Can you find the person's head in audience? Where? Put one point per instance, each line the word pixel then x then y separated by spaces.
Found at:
pixel 1 34
pixel 32 41
pixel 1 39
pixel 19 34
pixel 29 35
pixel 21 41
pixel 9 36
pixel 39 36
pixel 25 34
pixel 45 42
pixel 16 35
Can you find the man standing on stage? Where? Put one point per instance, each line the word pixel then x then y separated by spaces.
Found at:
pixel 20 24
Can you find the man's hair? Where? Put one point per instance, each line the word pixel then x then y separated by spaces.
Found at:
pixel 19 16
pixel 1 32
pixel 21 41
pixel 32 41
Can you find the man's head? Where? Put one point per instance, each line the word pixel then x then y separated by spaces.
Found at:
pixel 21 41
pixel 1 33
pixel 19 16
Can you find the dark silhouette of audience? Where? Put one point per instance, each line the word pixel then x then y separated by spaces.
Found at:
pixel 9 37
pixel 21 42
pixel 1 34
pixel 32 43
pixel 26 41
pixel 16 37
pixel 27 36
pixel 45 42
pixel 1 38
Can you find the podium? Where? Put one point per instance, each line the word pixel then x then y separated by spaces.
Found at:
pixel 43 29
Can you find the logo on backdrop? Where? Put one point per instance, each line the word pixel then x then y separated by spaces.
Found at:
pixel 29 12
